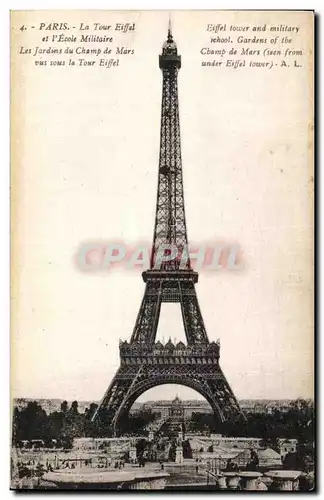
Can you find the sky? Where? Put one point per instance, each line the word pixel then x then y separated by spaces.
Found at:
pixel 84 169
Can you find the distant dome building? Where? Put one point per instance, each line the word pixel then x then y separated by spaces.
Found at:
pixel 177 409
pixel 176 418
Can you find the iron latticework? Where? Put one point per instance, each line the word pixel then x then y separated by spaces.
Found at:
pixel 170 221
pixel 145 363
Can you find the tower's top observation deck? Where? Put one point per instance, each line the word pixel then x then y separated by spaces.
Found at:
pixel 169 58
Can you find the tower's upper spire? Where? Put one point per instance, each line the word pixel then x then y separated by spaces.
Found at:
pixel 169 55
pixel 170 30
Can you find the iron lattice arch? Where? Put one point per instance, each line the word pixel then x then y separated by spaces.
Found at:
pixel 145 366
pixel 145 363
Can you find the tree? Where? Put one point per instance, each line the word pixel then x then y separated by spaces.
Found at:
pixel 55 424
pixel 303 459
pixel 134 424
pixel 254 461
pixel 203 421
pixel 92 409
pixel 172 452
pixel 64 407
pixel 141 446
pixel 30 423
pixel 90 428
pixel 187 451
pixel 74 408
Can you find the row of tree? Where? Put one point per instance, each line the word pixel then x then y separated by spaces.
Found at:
pixel 296 423
pixel 33 423
pixel 59 428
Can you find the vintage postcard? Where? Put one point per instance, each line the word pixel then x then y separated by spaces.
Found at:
pixel 162 282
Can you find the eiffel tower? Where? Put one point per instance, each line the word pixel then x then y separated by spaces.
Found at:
pixel 145 363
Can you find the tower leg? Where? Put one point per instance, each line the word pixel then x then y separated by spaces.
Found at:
pixel 149 313
pixel 133 380
pixel 192 318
